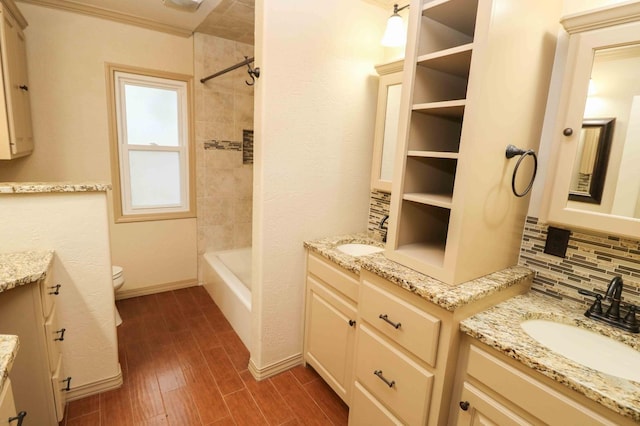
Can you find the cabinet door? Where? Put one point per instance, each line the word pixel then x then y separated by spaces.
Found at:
pixel 481 410
pixel 7 405
pixel 14 68
pixel 330 332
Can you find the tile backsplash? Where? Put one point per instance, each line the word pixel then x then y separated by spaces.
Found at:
pixel 591 261
pixel 379 205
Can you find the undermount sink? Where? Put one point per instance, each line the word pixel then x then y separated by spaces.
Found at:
pixel 358 249
pixel 585 347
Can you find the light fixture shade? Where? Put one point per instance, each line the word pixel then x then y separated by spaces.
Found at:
pixel 187 5
pixel 395 34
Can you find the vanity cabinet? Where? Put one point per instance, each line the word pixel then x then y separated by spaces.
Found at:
pixel 7 405
pixel 37 376
pixel 494 389
pixel 330 319
pixel 474 73
pixel 16 135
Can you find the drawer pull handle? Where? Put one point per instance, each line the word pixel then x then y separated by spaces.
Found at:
pixel 386 319
pixel 352 323
pixel 389 383
pixel 20 417
pixel 24 87
pixel 68 381
pixel 56 289
pixel 464 405
pixel 61 333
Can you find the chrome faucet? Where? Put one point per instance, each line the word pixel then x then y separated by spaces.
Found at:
pixel 614 293
pixel 384 227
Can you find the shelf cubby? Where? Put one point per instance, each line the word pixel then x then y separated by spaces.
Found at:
pixel 424 234
pixel 430 175
pixel 435 132
pixel 459 15
pixel 431 85
pixel 455 61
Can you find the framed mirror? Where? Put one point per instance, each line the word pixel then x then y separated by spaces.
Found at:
pixel 386 127
pixel 592 157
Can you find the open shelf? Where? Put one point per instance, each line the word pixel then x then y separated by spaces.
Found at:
pixel 455 61
pixel 433 154
pixel 451 109
pixel 429 176
pixel 424 234
pixel 434 133
pixel 438 200
pixel 431 85
pixel 459 15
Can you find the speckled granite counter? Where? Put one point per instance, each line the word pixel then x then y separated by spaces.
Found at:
pixel 22 268
pixel 431 289
pixel 499 327
pixel 36 187
pixel 8 350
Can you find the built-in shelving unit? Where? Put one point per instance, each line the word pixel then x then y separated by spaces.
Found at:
pixel 454 61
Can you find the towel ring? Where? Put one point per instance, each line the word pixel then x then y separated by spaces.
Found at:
pixel 511 152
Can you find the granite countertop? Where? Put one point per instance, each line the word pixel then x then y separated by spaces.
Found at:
pixel 22 268
pixel 499 327
pixel 435 291
pixel 8 350
pixel 43 187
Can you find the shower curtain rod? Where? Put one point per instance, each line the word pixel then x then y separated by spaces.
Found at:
pixel 253 72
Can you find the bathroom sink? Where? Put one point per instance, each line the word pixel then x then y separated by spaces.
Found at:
pixel 357 249
pixel 585 347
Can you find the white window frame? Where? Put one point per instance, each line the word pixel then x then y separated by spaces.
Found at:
pixel 124 211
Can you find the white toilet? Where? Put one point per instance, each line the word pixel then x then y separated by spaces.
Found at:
pixel 118 281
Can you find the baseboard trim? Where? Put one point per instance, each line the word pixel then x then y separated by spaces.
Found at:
pixel 275 368
pixel 103 385
pixel 158 288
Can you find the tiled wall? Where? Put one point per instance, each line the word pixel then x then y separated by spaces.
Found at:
pixel 592 260
pixel 379 204
pixel 224 113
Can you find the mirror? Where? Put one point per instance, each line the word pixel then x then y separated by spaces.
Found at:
pixel 590 166
pixel 600 83
pixel 386 128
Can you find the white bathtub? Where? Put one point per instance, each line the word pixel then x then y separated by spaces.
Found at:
pixel 227 278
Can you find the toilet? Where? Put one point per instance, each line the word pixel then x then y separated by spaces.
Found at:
pixel 118 281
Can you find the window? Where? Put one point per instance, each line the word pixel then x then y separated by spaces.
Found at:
pixel 151 155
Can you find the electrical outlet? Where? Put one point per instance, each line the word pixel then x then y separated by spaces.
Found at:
pixel 557 241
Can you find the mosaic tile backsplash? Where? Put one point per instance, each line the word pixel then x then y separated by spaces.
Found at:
pixel 379 205
pixel 247 147
pixel 591 261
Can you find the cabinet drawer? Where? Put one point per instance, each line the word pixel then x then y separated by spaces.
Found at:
pixel 49 291
pixel 59 384
pixel 366 410
pixel 51 328
pixel 414 329
pixel 340 279
pixel 410 390
pixel 543 402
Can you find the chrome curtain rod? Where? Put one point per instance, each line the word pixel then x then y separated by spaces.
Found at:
pixel 253 72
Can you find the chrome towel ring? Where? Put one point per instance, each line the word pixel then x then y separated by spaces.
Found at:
pixel 511 152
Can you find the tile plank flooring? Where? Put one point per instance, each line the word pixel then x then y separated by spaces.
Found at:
pixel 184 365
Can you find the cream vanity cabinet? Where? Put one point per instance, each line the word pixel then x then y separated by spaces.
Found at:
pixel 406 350
pixel 476 73
pixel 494 389
pixel 16 135
pixel 330 319
pixel 37 376
pixel 9 416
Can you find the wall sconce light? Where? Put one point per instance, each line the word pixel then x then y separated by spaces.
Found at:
pixel 186 5
pixel 395 35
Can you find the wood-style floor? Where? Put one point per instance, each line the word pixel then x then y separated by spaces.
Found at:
pixel 184 365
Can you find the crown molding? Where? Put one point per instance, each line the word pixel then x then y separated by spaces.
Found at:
pixel 390 67
pixel 602 17
pixel 98 12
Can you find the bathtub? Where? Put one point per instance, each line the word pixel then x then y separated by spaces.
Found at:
pixel 227 278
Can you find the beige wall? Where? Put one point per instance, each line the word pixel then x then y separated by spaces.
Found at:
pixel 315 111
pixel 224 110
pixel 66 55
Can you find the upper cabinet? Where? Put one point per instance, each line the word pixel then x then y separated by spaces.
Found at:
pixel 594 178
pixel 476 75
pixel 16 135
pixel 386 131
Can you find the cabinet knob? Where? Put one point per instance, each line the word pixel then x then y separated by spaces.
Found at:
pixel 23 87
pixel 352 323
pixel 464 405
pixel 568 131
pixel 56 289
pixel 20 417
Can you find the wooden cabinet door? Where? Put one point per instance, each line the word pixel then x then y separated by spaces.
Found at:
pixel 478 409
pixel 7 405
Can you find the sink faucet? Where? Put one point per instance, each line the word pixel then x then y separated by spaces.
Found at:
pixel 614 293
pixel 384 227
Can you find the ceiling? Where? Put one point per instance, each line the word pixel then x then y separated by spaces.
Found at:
pixel 230 19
